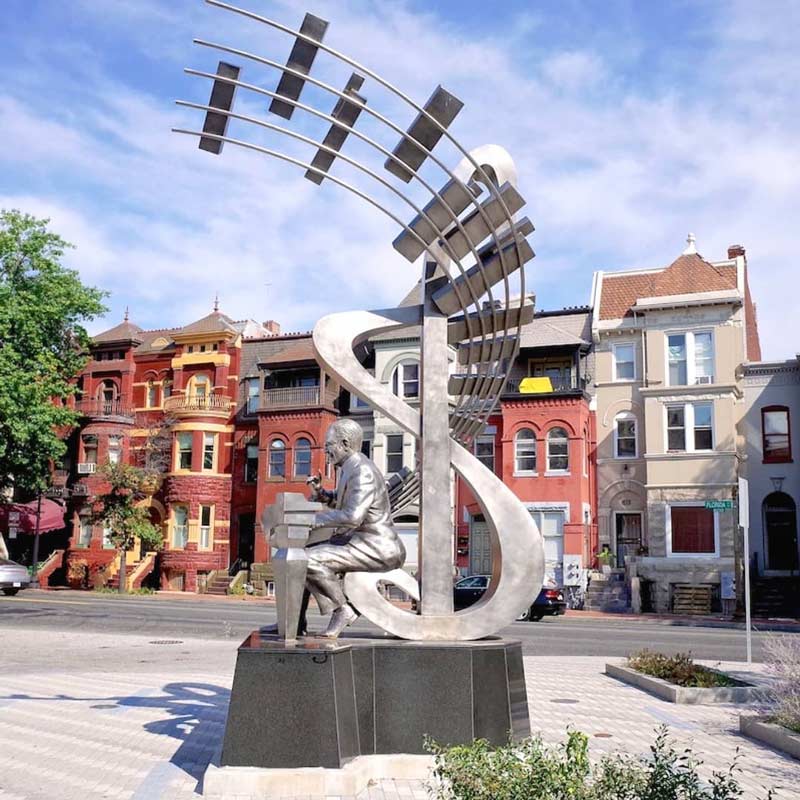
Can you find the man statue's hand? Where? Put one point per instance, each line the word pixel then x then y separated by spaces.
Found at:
pixel 314 483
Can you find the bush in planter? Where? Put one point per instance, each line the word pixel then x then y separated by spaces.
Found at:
pixel 679 669
pixel 783 662
pixel 532 770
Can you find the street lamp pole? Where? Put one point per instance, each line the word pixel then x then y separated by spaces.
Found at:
pixel 35 567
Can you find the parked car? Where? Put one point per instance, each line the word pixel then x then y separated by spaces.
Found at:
pixel 549 602
pixel 13 576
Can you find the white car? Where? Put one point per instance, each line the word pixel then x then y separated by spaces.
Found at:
pixel 13 577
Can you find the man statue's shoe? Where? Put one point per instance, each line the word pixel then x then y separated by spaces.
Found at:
pixel 272 630
pixel 340 619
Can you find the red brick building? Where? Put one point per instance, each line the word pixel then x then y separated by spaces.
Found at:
pixel 542 443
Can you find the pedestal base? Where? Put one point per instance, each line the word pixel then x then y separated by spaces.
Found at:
pixel 321 703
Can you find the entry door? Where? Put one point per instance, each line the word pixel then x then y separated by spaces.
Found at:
pixel 629 536
pixel 551 524
pixel 247 531
pixel 480 547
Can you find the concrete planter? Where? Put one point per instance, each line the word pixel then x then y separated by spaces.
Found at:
pixel 744 693
pixel 771 734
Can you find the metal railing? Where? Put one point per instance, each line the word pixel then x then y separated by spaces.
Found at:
pixel 558 384
pixel 101 408
pixel 212 403
pixel 292 397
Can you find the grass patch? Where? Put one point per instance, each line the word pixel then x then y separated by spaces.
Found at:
pixel 679 669
pixel 110 591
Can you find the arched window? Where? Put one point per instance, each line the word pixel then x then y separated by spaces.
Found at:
pixel 302 458
pixel 107 394
pixel 625 435
pixel 199 387
pixel 525 451
pixel 277 459
pixel 780 532
pixel 405 379
pixel 152 394
pixel 557 450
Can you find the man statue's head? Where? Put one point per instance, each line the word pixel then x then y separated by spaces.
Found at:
pixel 342 440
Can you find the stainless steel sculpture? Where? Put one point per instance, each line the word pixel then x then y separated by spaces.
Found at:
pixel 472 245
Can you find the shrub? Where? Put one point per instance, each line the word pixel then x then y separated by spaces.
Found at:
pixel 532 770
pixel 783 662
pixel 679 669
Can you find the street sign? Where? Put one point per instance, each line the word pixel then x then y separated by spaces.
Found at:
pixel 13 517
pixel 12 531
pixel 719 505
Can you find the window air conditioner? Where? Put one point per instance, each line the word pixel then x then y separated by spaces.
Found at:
pixel 705 379
pixel 86 468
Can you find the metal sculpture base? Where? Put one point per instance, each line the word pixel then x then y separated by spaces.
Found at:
pixel 319 703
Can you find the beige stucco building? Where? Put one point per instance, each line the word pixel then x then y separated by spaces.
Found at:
pixel 670 344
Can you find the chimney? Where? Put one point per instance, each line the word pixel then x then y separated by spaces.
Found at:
pixel 735 250
pixel 273 328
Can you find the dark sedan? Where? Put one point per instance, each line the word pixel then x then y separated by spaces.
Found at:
pixel 549 602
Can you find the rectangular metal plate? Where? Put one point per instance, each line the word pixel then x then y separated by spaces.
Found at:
pixel 444 108
pixel 222 94
pixel 300 59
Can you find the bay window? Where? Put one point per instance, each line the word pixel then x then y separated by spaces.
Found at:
pixel 180 526
pixel 209 440
pixel 185 450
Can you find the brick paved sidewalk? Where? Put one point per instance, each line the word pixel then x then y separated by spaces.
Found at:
pixel 89 733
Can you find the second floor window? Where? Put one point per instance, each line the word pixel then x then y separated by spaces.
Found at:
pixel 394 452
pixel 251 463
pixel 185 450
pixel 525 451
pixel 152 395
pixel 484 450
pixel 253 387
pixel 557 450
pixel 690 358
pixel 625 436
pixel 405 380
pixel 690 427
pixel 302 458
pixel 209 440
pixel 90 448
pixel 624 365
pixel 277 459
pixel 777 443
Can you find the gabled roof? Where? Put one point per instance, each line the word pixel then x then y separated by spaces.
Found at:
pixel 690 273
pixel 124 332
pixel 157 341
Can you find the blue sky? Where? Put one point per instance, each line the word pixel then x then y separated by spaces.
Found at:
pixel 632 123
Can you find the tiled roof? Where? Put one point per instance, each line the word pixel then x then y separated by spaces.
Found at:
pixel 688 274
pixel 149 337
pixel 260 351
pixel 215 322
pixel 124 332
pixel 298 351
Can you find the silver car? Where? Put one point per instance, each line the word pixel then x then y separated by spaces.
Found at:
pixel 13 576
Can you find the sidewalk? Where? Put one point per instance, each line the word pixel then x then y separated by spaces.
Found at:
pixel 713 621
pixel 134 718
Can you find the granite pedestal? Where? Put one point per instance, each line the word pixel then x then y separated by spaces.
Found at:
pixel 322 703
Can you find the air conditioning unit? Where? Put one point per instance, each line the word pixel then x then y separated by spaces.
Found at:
pixel 86 468
pixel 705 379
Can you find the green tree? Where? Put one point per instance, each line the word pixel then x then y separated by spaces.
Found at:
pixel 117 508
pixel 43 345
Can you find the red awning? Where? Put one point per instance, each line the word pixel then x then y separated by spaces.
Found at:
pixel 52 516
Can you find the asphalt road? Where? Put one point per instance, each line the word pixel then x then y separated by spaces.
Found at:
pixel 225 619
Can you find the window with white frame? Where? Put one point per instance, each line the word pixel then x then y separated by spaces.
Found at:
pixel 209 441
pixel 525 452
pixel 484 450
pixel 84 530
pixel 205 527
pixel 557 450
pixel 624 361
pixel 180 526
pixel 690 427
pixel 114 449
pixel 302 458
pixel 625 435
pixel 405 379
pixel 185 449
pixel 693 530
pixel 394 452
pixel 690 358
pixel 277 459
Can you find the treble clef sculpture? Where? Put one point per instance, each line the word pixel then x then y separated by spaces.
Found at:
pixel 471 246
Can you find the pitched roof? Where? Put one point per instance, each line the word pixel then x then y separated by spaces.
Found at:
pixel 215 322
pixel 688 274
pixel 558 330
pixel 124 332
pixel 298 351
pixel 150 341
